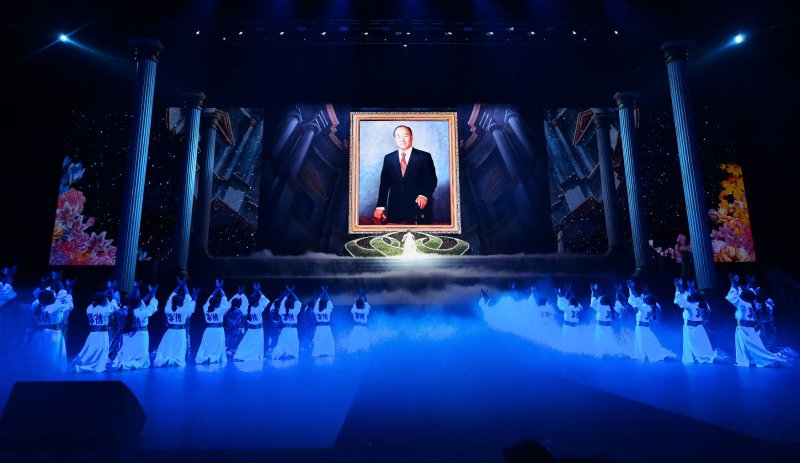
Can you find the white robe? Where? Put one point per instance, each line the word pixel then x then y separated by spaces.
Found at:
pixel 6 293
pixel 324 345
pixel 212 346
pixel 135 350
pixel 749 347
pixel 572 339
pixel 172 348
pixel 696 345
pixel 288 344
pixel 251 347
pixel 359 337
pixel 645 342
pixel 605 342
pixel 94 355
pixel 48 346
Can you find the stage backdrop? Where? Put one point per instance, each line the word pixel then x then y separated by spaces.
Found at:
pixel 502 172
pixel 575 184
pixel 90 191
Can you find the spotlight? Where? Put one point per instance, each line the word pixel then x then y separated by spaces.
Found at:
pixel 408 33
pixel 531 33
pixel 574 33
pixel 241 32
pixel 197 32
pixel 323 33
pixel 366 33
pixel 405 45
pixel 63 38
pixel 448 33
pixel 739 39
pixel 616 32
pixel 584 39
pixel 280 33
pixel 510 28
pixel 224 38
pixel 489 34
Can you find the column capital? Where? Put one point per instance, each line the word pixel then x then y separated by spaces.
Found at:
pixel 209 118
pixel 193 99
pixel 147 48
pixel 626 99
pixel 676 50
pixel 602 117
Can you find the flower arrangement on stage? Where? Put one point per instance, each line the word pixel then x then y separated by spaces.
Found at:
pixel 732 236
pixel 398 244
pixel 71 244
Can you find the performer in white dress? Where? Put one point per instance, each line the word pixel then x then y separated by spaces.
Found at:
pixel 571 340
pixel 324 345
pixel 544 326
pixel 212 346
pixel 6 290
pixel 646 345
pixel 94 355
pixel 180 307
pixel 605 342
pixel 50 309
pixel 288 345
pixel 135 350
pixel 696 345
pixel 359 337
pixel 252 345
pixel 749 347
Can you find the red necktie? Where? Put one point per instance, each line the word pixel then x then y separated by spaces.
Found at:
pixel 403 164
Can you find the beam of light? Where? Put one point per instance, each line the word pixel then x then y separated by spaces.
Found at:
pixel 63 38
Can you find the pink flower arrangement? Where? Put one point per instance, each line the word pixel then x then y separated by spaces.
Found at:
pixel 71 244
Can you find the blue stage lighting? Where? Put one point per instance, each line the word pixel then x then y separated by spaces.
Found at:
pixel 63 38
pixel 738 39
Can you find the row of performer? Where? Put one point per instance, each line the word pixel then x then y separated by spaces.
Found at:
pixel 753 312
pixel 235 326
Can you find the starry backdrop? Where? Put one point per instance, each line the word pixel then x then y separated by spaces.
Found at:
pixel 97 141
pixel 660 183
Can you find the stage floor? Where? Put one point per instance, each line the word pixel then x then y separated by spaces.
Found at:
pixel 439 387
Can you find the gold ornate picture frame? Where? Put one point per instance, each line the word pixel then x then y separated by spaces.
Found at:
pixel 372 140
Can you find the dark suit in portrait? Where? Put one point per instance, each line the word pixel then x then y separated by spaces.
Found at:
pixel 398 192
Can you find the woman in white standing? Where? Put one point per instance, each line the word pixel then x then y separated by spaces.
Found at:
pixel 749 347
pixel 570 333
pixel 180 307
pixel 324 345
pixel 135 350
pixel 696 345
pixel 252 345
pixel 50 310
pixel 94 355
pixel 288 345
pixel 645 344
pixel 212 346
pixel 605 342
pixel 359 337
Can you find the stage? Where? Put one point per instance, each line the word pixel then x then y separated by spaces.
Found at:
pixel 440 385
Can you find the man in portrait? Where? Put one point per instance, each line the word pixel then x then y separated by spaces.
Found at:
pixel 408 179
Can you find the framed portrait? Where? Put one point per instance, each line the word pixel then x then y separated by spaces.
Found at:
pixel 404 172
